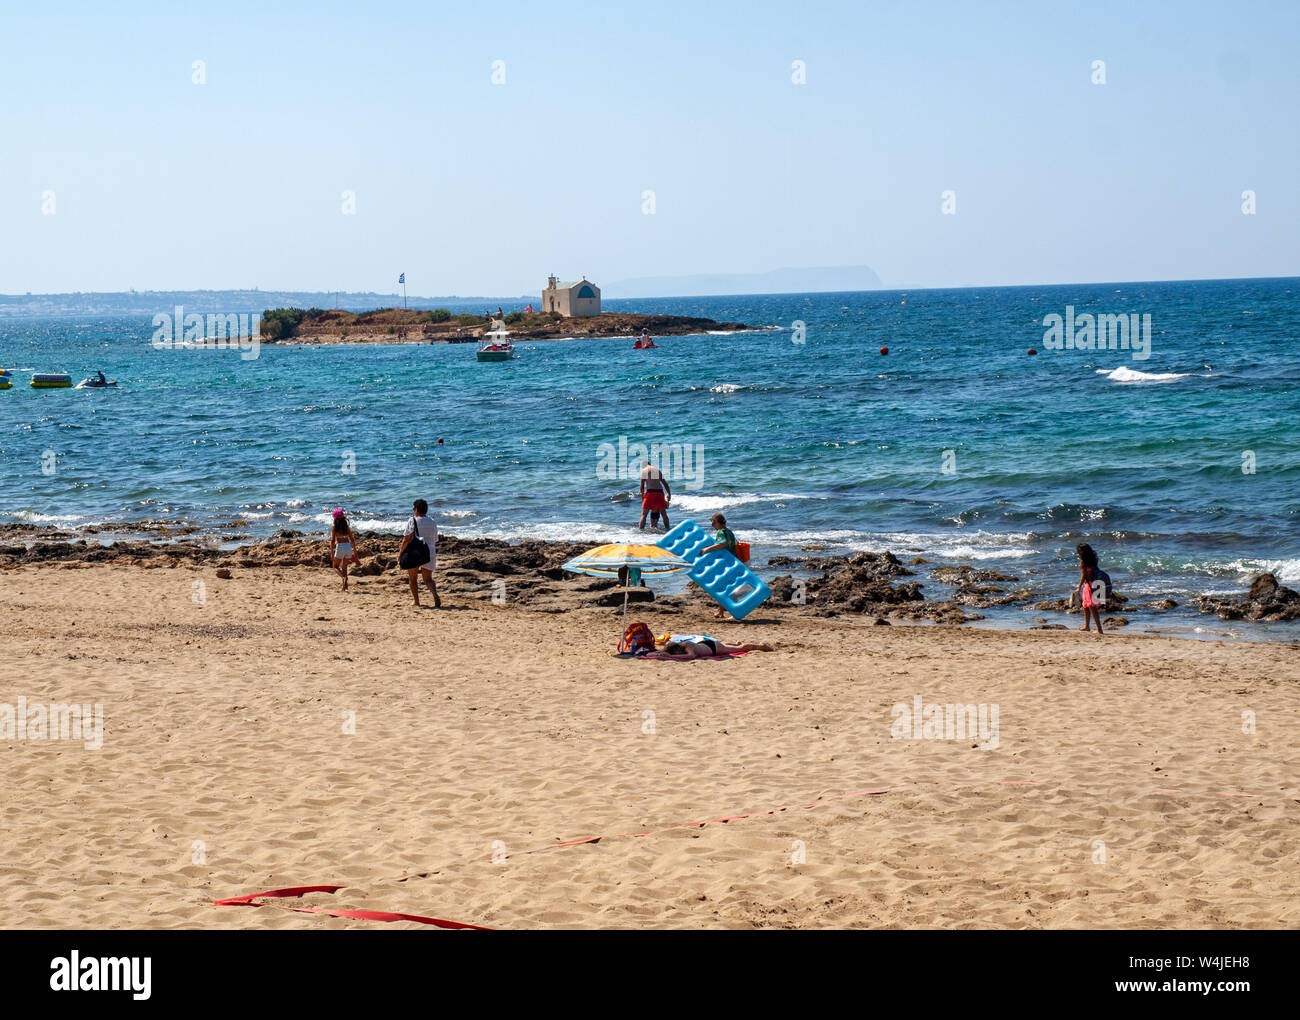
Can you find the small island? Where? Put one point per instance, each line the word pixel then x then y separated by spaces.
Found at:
pixel 398 326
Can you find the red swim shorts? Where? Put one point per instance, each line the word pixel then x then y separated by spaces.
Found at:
pixel 654 500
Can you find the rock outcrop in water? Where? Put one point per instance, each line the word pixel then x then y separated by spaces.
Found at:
pixel 1267 601
pixel 861 584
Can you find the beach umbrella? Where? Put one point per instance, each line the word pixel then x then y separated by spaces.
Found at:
pixel 610 560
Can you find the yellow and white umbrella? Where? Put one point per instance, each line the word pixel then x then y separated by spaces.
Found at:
pixel 611 560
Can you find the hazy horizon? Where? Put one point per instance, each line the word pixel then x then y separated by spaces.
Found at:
pixel 939 145
pixel 425 298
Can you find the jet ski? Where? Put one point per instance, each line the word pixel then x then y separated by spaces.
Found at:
pixel 95 383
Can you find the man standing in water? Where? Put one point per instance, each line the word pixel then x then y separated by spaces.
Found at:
pixel 655 494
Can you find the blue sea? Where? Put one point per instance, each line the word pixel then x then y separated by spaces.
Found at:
pixel 1182 468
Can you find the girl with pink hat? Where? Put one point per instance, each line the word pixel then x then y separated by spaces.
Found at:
pixel 342 546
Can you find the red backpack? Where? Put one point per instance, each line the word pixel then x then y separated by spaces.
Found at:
pixel 638 636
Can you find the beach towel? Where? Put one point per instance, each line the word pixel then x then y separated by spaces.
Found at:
pixel 664 657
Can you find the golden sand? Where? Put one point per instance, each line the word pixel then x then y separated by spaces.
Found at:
pixel 1124 790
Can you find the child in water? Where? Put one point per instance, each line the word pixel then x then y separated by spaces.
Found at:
pixel 1088 573
pixel 342 546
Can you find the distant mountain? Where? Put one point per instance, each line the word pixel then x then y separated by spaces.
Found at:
pixel 151 302
pixel 776 281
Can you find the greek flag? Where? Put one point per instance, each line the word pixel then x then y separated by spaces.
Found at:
pixel 402 278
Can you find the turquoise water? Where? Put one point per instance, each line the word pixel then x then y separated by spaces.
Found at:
pixel 823 442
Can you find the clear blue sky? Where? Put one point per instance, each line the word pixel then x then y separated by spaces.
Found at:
pixel 475 188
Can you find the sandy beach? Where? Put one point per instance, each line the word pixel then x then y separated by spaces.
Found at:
pixel 1122 791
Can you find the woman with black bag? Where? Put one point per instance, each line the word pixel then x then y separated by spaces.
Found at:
pixel 418 553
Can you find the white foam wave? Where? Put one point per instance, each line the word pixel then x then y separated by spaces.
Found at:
pixel 1284 570
pixel 1124 374
pixel 726 500
pixel 32 517
pixel 727 388
pixel 977 545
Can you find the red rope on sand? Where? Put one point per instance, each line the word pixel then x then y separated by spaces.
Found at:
pixel 360 915
pixel 698 825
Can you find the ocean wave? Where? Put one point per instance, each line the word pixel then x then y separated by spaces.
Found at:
pixel 727 387
pixel 1284 570
pixel 32 517
pixel 978 545
pixel 1124 374
pixel 559 531
pixel 726 500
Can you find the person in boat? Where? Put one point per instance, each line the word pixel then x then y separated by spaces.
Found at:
pixel 655 493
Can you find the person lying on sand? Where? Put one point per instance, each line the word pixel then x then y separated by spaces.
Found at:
pixel 706 647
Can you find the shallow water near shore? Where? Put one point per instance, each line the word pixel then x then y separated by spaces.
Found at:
pixel 956 447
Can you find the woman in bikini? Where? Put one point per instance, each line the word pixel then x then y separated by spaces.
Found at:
pixel 708 647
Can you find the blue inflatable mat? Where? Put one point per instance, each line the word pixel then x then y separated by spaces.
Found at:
pixel 719 573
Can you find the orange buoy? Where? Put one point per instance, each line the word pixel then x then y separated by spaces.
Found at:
pixel 884 350
pixel 1031 351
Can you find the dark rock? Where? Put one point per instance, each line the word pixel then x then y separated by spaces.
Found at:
pixel 1266 601
pixel 615 598
pixel 966 575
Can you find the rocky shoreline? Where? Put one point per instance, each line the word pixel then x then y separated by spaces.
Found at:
pixel 530 574
pixel 607 325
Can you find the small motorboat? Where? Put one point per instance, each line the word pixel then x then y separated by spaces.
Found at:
pixel 645 346
pixel 94 383
pixel 496 345
pixel 51 381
